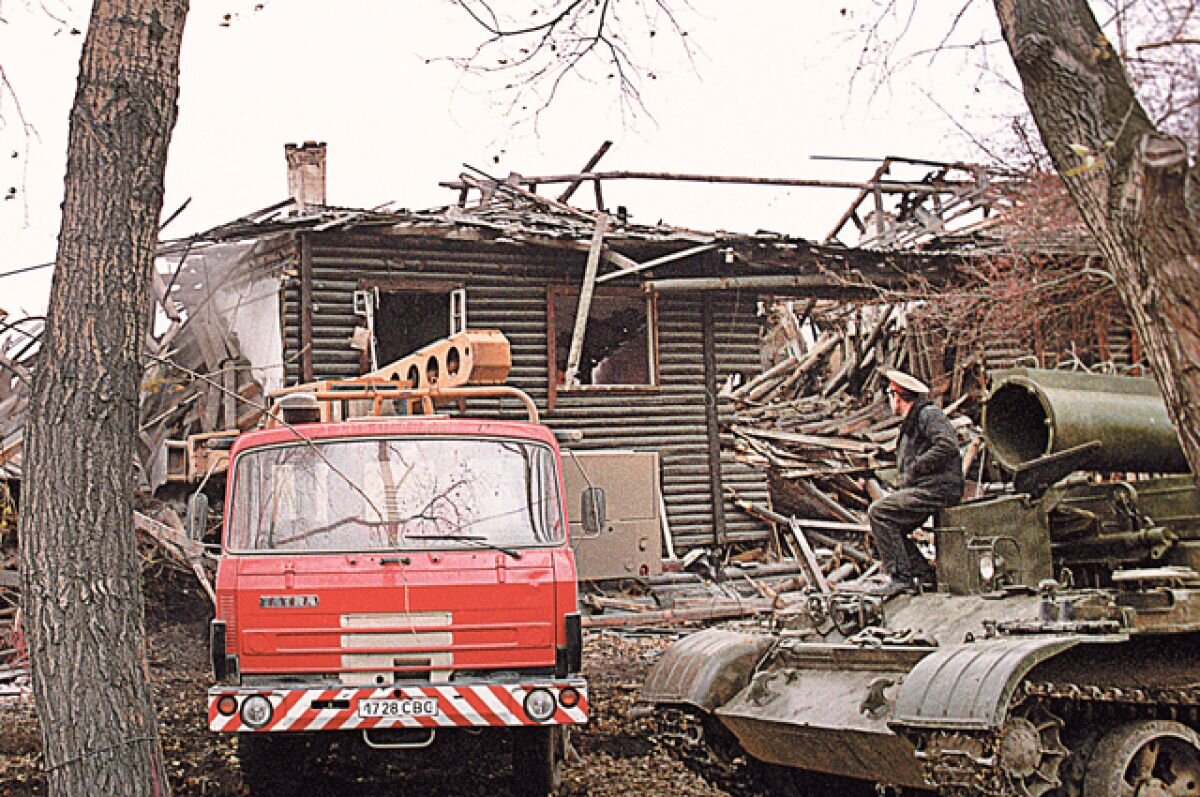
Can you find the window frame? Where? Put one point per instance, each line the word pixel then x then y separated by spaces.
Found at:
pixel 553 292
pixel 408 285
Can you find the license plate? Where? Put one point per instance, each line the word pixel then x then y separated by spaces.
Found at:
pixel 398 707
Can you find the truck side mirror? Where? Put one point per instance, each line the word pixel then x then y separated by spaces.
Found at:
pixel 197 516
pixel 591 504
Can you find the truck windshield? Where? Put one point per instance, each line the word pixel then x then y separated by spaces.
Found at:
pixel 395 494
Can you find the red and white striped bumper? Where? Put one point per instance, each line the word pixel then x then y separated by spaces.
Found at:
pixel 458 706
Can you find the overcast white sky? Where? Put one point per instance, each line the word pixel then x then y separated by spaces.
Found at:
pixel 767 91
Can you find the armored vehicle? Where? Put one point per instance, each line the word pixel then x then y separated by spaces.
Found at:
pixel 1059 654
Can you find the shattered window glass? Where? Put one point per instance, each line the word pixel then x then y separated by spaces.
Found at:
pixel 395 494
pixel 618 341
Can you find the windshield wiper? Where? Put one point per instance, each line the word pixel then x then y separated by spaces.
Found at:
pixel 480 542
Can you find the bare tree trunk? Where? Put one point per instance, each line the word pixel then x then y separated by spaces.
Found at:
pixel 1133 185
pixel 80 574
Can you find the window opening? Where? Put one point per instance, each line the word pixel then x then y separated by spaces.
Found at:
pixel 618 344
pixel 407 320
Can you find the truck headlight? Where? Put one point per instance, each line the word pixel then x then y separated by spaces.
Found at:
pixel 256 711
pixel 540 705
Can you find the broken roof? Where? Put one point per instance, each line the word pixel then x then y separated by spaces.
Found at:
pixel 505 212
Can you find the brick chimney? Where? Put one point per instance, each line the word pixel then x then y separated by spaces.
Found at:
pixel 306 173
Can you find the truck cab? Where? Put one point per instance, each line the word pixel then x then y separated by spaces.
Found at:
pixel 397 578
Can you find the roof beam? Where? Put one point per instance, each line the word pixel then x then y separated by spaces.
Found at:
pixel 658 261
pixel 587 167
pixel 886 186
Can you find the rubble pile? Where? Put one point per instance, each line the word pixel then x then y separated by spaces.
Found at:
pixel 196 383
pixel 14 659
pixel 817 421
pixel 163 546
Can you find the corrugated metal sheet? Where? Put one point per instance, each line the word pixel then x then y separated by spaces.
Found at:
pixel 507 290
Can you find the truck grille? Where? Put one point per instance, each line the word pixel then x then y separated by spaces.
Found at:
pixel 379 669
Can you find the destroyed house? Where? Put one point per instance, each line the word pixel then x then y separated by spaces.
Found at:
pixel 302 291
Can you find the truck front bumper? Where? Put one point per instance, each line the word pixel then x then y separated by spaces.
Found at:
pixel 562 701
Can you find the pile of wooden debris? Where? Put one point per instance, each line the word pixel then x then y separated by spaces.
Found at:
pixel 14 659
pixel 162 544
pixel 817 421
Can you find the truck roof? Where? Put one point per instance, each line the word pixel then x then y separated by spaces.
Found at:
pixel 395 425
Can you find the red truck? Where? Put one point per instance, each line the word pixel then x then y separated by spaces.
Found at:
pixel 392 578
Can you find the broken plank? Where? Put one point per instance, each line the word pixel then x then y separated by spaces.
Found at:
pixel 658 261
pixel 811 525
pixel 585 300
pixel 812 567
pixel 715 610
pixel 809 472
pixel 775 371
pixel 809 440
pixel 175 542
pixel 602 602
pixel 573 186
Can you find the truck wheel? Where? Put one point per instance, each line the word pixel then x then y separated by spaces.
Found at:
pixel 273 763
pixel 537 761
pixel 1147 758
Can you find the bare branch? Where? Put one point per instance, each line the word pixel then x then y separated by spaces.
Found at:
pixel 1167 43
pixel 536 54
pixel 1165 85
pixel 28 134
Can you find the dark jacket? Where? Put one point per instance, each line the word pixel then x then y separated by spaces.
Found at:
pixel 927 452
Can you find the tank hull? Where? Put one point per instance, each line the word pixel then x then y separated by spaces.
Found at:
pixel 871 755
pixel 825 707
pixel 1069 623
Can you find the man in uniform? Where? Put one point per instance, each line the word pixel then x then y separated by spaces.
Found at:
pixel 930 478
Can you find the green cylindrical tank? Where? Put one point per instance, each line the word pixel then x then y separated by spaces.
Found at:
pixel 1030 413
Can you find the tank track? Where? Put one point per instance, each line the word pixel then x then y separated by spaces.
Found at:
pixel 700 743
pixel 963 763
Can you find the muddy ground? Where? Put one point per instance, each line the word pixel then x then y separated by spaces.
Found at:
pixel 617 754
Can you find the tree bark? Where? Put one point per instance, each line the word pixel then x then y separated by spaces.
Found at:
pixel 1137 193
pixel 80 573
